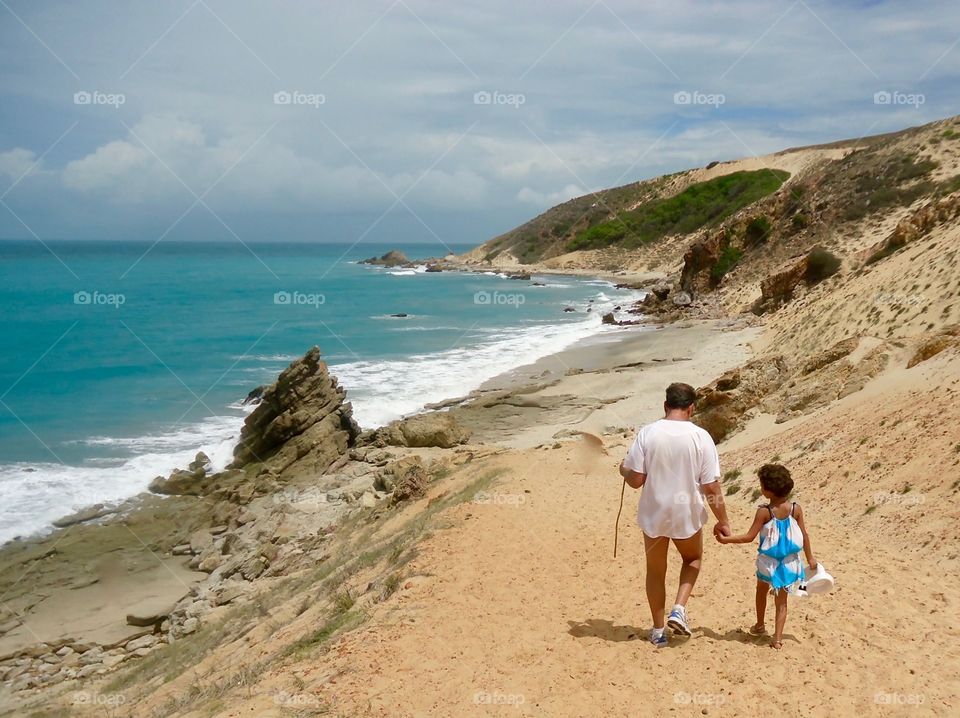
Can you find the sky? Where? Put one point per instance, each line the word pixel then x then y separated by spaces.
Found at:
pixel 420 121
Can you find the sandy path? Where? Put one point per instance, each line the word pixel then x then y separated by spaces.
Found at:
pixel 520 600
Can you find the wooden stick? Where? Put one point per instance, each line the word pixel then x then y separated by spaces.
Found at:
pixel 616 526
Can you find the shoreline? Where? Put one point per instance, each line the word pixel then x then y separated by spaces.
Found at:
pixel 216 449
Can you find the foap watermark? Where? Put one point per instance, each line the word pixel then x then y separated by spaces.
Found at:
pixel 96 97
pixel 484 497
pixel 484 298
pixel 103 700
pixel 899 699
pixel 496 698
pixel 682 698
pixel 510 99
pixel 294 700
pixel 99 299
pixel 298 299
pixel 686 97
pixel 903 499
pixel 884 97
pixel 295 97
pixel 893 298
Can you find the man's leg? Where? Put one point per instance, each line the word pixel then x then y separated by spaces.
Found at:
pixel 656 552
pixel 691 551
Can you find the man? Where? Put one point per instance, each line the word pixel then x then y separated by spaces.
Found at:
pixel 676 463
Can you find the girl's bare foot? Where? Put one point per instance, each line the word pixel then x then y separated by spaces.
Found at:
pixel 776 643
pixel 758 629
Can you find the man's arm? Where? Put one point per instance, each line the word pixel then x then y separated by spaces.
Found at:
pixel 634 479
pixel 713 495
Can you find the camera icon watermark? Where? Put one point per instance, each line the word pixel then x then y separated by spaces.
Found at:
pixel 484 298
pixel 298 299
pixel 99 299
pixel 686 97
pixel 110 99
pixel 884 97
pixel 295 97
pixel 495 97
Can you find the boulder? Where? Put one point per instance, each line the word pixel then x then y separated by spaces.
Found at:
pixel 393 258
pixel 302 419
pixel 185 483
pixel 661 290
pixel 439 429
pixel 409 479
pixel 609 318
pixel 682 299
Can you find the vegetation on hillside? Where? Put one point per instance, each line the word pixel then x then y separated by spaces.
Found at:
pixel 699 205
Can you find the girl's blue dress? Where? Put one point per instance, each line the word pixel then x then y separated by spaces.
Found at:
pixel 778 561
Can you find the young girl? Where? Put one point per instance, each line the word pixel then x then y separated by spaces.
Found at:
pixel 782 535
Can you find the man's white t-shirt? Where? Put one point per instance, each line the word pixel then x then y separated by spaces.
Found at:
pixel 678 457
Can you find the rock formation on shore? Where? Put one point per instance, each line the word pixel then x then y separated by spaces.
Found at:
pixel 303 421
pixel 393 258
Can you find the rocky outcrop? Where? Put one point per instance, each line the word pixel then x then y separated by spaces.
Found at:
pixel 194 481
pixel 778 289
pixel 393 258
pixel 722 404
pixel 435 429
pixel 698 262
pixel 302 421
pixel 933 345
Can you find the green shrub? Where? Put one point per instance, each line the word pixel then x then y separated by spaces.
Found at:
pixel 821 264
pixel 800 221
pixel 757 230
pixel 697 206
pixel 729 258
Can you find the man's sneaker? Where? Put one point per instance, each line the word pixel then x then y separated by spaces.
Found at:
pixel 658 638
pixel 678 621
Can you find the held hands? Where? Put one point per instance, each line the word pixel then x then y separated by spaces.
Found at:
pixel 722 531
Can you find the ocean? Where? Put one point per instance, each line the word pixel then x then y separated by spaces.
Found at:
pixel 120 360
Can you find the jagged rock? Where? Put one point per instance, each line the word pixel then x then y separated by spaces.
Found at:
pixel 609 318
pixel 839 350
pixel 393 258
pixel 254 396
pixel 302 419
pixel 932 346
pixel 200 462
pixel 698 262
pixel 438 429
pixel 719 410
pixel 523 276
pixel 778 289
pixel 409 479
pixel 180 482
pixel 88 514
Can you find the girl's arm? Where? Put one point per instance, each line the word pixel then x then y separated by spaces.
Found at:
pixel 807 549
pixel 751 533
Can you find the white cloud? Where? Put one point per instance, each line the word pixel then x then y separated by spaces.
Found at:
pixel 14 163
pixel 549 199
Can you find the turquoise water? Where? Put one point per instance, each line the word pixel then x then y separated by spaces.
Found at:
pixel 120 361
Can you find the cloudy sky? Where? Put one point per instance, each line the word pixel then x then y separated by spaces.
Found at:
pixel 423 120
